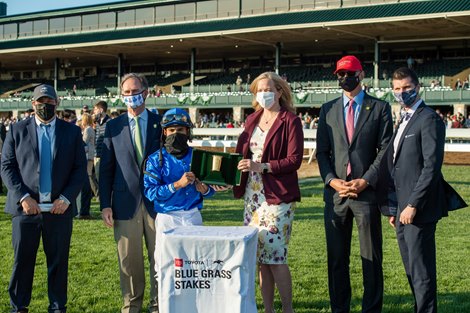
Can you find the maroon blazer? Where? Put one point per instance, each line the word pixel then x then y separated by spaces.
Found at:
pixel 283 150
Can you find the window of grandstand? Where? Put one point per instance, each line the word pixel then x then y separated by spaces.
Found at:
pixel 106 20
pixel 57 25
pixel 252 7
pixel 90 22
pixel 40 27
pixel 185 12
pixel 73 24
pixel 276 5
pixel 206 10
pixel 165 14
pixel 26 29
pixel 144 16
pixel 228 8
pixel 301 4
pixel 9 31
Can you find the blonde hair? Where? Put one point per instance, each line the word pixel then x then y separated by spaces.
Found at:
pixel 87 120
pixel 281 85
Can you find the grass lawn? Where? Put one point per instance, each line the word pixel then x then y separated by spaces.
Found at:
pixel 94 275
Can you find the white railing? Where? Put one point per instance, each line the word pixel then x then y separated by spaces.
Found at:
pixel 457 139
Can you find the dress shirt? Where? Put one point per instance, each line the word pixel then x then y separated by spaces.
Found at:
pixel 39 132
pixel 143 119
pixel 402 125
pixel 358 100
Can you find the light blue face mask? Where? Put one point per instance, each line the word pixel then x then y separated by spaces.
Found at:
pixel 134 101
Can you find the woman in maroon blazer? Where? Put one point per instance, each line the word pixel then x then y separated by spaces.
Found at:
pixel 272 148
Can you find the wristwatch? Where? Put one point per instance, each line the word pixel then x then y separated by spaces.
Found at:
pixel 264 166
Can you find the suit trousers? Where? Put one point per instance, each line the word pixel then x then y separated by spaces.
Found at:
pixel 338 226
pixel 27 230
pixel 128 235
pixel 417 245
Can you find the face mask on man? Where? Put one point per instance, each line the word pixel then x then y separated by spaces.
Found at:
pixel 177 144
pixel 265 99
pixel 349 83
pixel 406 98
pixel 134 101
pixel 45 111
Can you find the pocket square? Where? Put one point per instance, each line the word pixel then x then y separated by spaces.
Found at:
pixel 408 136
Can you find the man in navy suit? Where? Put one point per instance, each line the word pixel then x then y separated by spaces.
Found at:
pixel 129 139
pixel 44 168
pixel 353 133
pixel 417 190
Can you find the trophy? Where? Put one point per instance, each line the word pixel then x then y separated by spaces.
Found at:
pixel 216 168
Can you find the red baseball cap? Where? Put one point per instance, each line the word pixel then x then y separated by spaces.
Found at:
pixel 348 63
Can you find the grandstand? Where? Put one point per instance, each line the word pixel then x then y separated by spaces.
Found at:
pixel 199 48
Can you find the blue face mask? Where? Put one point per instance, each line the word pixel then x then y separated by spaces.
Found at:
pixel 134 101
pixel 406 98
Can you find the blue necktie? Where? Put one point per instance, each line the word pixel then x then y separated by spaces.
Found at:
pixel 45 170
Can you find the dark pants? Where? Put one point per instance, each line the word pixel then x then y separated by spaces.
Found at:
pixel 338 227
pixel 27 231
pixel 418 251
pixel 84 200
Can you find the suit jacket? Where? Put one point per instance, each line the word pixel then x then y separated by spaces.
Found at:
pixel 20 163
pixel 416 171
pixel 121 176
pixel 283 149
pixel 371 136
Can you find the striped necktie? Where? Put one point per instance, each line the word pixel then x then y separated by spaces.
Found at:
pixel 139 148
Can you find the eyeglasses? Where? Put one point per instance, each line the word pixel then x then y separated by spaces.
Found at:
pixel 175 117
pixel 348 73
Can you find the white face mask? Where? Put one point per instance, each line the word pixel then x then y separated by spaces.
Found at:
pixel 134 101
pixel 265 99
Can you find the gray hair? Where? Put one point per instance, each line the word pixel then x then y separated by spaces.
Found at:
pixel 141 78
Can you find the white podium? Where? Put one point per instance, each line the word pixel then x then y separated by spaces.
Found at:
pixel 204 269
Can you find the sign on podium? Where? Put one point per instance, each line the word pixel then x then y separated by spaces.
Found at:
pixel 205 269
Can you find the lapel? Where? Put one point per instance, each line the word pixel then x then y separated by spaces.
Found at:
pixel 33 137
pixel 366 109
pixel 407 128
pixel 126 138
pixel 152 128
pixel 249 128
pixel 339 113
pixel 59 134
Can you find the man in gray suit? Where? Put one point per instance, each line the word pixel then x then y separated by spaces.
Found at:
pixel 128 140
pixel 352 135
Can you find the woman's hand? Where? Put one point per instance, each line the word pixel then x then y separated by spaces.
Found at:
pixel 247 165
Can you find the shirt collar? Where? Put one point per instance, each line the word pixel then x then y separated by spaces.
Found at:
pixel 52 123
pixel 359 98
pixel 143 116
pixel 413 109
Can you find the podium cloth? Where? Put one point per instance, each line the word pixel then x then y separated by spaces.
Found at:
pixel 207 269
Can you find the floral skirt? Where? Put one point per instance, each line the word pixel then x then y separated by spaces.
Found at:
pixel 274 222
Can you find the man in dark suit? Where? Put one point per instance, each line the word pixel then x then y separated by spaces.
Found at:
pixel 352 135
pixel 129 139
pixel 44 168
pixel 417 190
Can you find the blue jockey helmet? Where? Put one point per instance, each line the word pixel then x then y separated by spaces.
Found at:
pixel 176 117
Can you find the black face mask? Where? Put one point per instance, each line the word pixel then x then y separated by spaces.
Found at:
pixel 45 111
pixel 349 83
pixel 177 144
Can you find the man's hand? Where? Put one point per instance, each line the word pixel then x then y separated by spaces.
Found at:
pixel 186 179
pixel 201 187
pixel 107 216
pixel 30 206
pixel 407 215
pixel 59 206
pixel 343 188
pixel 391 221
pixel 357 185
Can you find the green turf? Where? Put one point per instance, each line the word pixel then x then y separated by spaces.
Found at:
pixel 94 279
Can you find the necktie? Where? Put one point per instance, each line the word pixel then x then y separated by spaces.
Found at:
pixel 350 129
pixel 45 170
pixel 139 149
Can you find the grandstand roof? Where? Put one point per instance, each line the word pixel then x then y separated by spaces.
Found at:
pixel 412 24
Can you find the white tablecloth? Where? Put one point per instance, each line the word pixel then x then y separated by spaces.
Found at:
pixel 207 269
